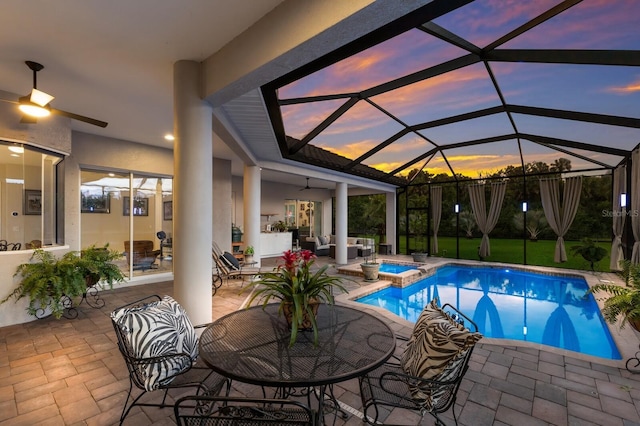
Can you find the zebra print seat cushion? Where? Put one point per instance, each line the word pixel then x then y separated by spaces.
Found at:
pixel 159 329
pixel 436 347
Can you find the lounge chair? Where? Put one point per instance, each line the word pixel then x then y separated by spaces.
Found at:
pixel 228 267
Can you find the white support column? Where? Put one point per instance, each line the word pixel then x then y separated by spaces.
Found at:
pixel 391 221
pixel 192 193
pixel 252 195
pixel 341 223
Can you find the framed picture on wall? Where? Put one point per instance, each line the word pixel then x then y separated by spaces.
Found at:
pixel 94 203
pixel 140 206
pixel 32 201
pixel 167 208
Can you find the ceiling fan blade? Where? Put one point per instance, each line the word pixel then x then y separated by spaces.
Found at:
pixel 79 117
pixel 8 101
pixel 27 119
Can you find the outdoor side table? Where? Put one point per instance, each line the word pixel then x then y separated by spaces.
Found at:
pixel 252 346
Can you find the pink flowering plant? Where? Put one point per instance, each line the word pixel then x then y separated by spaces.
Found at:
pixel 296 283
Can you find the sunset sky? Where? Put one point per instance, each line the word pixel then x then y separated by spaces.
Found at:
pixel 592 24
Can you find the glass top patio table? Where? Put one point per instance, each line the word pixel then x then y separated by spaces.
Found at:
pixel 252 346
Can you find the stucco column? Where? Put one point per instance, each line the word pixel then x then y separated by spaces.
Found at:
pixel 192 193
pixel 341 223
pixel 251 195
pixel 391 221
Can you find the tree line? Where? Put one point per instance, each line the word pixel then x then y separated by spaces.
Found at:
pixel 366 214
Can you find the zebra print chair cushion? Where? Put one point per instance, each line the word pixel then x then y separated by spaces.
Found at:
pixel 436 341
pixel 159 329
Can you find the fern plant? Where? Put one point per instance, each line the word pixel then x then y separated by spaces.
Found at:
pixel 622 301
pixel 48 282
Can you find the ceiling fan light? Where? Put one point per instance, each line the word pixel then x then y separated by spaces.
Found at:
pixel 40 98
pixel 34 110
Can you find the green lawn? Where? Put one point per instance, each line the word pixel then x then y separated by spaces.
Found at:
pixel 512 251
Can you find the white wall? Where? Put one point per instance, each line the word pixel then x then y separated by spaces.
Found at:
pixel 274 196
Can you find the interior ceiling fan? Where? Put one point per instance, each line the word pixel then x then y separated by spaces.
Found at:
pixel 310 187
pixel 38 104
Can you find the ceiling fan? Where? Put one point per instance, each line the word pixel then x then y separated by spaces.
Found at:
pixel 310 187
pixel 38 104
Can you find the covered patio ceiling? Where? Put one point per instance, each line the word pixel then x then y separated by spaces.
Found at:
pixel 470 91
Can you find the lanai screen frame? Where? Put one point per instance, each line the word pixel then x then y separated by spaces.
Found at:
pixel 302 149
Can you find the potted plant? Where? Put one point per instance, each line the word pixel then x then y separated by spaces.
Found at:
pixel 421 254
pixel 96 265
pixel 299 289
pixel 370 267
pixel 622 301
pixel 248 254
pixel 51 283
pixel 279 226
pixel 590 251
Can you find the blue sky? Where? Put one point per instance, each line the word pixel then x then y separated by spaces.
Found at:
pixel 592 24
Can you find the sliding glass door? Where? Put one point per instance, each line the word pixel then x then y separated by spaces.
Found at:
pixel 133 214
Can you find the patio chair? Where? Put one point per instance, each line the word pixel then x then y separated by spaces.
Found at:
pixel 160 346
pixel 223 411
pixel 228 267
pixel 427 376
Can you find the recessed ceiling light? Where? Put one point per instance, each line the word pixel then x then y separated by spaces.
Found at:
pixel 169 137
pixel 14 155
pixel 16 149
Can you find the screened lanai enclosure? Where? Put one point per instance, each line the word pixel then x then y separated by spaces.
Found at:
pixel 498 121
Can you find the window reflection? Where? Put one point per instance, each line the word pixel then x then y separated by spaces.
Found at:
pixel 27 196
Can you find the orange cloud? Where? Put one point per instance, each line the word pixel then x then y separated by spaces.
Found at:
pixel 629 88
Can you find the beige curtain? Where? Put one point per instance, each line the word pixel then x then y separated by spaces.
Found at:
pixel 635 205
pixel 560 217
pixel 436 213
pixel 619 187
pixel 478 205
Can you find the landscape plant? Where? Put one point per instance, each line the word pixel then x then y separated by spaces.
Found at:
pixel 299 288
pixel 49 282
pixel 622 301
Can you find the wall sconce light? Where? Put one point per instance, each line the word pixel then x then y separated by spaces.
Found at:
pixel 457 208
pixel 524 206
pixel 623 200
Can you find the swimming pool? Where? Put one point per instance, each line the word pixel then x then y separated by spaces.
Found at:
pixel 394 268
pixel 510 304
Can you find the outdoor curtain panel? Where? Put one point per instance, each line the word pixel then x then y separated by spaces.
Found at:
pixel 436 213
pixel 619 187
pixel 478 205
pixel 635 205
pixel 560 217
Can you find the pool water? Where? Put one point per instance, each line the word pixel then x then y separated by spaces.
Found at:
pixel 392 268
pixel 510 304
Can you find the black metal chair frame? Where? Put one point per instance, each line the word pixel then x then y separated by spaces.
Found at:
pixel 202 378
pixel 214 411
pixel 388 385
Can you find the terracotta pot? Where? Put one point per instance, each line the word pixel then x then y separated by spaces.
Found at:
pixel 635 323
pixel 307 324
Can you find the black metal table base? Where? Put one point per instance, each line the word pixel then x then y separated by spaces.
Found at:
pixel 327 401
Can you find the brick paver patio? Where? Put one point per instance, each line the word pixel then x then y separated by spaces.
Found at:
pixel 69 372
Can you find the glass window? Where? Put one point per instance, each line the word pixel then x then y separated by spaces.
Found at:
pixel 27 197
pixel 144 237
